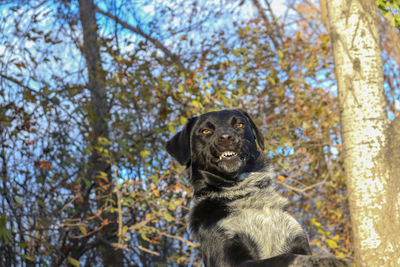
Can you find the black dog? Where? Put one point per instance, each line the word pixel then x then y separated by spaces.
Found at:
pixel 236 215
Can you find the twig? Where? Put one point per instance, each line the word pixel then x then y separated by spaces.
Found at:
pixel 195 245
pixel 174 58
pixel 69 203
pixel 148 251
pixel 303 190
pixel 103 223
pixel 175 237
pixel 114 245
pixel 11 79
pixel 267 23
pixel 141 224
pixel 119 207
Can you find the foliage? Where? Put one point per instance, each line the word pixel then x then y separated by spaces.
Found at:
pixel 160 69
pixel 390 9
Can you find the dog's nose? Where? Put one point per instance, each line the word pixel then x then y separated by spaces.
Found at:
pixel 226 139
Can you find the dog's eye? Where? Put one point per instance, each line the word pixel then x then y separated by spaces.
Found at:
pixel 206 131
pixel 240 125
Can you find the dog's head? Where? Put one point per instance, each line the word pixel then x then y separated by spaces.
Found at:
pixel 218 146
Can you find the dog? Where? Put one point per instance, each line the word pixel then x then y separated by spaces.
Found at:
pixel 236 215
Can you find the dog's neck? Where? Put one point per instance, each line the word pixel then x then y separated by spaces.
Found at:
pixel 218 187
pixel 204 181
pixel 254 191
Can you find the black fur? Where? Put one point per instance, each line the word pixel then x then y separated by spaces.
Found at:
pixel 236 214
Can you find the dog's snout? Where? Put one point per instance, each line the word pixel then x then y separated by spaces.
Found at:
pixel 226 139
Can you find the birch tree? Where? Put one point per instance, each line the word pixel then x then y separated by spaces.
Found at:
pixel 370 139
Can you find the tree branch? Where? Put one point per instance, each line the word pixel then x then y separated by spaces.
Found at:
pixel 270 30
pixel 172 57
pixel 17 82
pixel 195 245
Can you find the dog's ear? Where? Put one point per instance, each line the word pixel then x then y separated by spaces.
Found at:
pixel 256 132
pixel 179 145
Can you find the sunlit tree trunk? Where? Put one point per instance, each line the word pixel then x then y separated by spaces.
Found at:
pixel 99 116
pixel 369 139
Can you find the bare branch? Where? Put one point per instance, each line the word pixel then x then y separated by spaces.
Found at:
pixel 172 57
pixel 120 224
pixel 19 83
pixel 302 190
pixel 268 24
pixel 142 223
pixel 148 251
pixel 195 245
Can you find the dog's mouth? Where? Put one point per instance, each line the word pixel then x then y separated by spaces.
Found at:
pixel 228 155
pixel 230 161
pixel 231 156
pixel 227 161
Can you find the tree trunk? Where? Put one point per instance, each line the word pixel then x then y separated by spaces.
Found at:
pixel 99 117
pixel 367 136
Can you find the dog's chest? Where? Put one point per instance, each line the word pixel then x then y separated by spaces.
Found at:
pixel 262 219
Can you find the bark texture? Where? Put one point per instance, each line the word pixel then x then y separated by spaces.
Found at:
pixel 99 117
pixel 367 135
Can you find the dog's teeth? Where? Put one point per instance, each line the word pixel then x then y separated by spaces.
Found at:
pixel 227 154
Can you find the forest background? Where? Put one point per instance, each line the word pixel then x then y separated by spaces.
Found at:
pixel 91 92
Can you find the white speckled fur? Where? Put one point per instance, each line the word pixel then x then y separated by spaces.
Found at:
pixel 259 213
